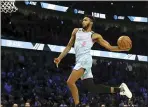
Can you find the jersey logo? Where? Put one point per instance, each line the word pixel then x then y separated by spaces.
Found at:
pixel 84 43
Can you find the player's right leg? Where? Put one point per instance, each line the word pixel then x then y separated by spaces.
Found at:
pixel 99 88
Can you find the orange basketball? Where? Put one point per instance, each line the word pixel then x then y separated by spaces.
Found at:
pixel 124 42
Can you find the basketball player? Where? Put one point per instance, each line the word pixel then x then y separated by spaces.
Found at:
pixel 83 40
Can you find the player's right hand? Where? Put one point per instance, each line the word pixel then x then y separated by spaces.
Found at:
pixel 57 61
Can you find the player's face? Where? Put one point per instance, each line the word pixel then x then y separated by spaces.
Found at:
pixel 86 22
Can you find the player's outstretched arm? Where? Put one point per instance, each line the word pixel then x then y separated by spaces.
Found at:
pixel 99 39
pixel 69 45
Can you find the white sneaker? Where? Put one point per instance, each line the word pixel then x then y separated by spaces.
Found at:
pixel 125 90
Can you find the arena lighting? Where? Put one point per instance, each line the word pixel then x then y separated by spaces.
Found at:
pixel 138 19
pixel 80 12
pixel 119 17
pixel 115 17
pixel 56 48
pixel 76 11
pixel 30 2
pixel 103 16
pixel 54 7
pixel 144 58
pixel 94 14
pixel 99 15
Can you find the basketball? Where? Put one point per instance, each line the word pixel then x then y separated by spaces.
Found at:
pixel 124 42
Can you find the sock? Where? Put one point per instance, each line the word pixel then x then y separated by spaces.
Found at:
pixel 117 89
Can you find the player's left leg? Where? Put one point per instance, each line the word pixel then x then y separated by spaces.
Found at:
pixel 99 88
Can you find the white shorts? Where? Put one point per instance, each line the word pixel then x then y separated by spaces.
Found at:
pixel 86 63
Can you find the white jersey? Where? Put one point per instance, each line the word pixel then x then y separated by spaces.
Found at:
pixel 83 44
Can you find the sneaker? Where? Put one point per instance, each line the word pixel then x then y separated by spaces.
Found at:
pixel 125 90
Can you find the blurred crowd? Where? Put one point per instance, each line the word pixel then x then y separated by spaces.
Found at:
pixel 29 81
pixel 56 29
pixel 35 29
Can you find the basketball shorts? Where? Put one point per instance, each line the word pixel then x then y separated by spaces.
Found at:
pixel 86 63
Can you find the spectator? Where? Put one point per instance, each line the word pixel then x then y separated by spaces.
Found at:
pixel 22 102
pixel 37 102
pixel 8 87
pixel 63 104
pixel 121 104
pixel 15 105
pixel 40 86
pixel 27 105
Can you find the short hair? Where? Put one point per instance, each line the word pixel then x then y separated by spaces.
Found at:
pixel 27 105
pixel 15 105
pixel 91 17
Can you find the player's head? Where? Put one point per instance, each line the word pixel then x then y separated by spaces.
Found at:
pixel 87 21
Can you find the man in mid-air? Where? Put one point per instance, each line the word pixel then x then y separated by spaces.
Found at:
pixel 83 40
